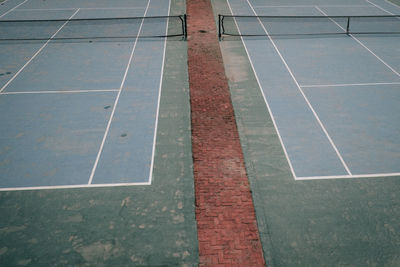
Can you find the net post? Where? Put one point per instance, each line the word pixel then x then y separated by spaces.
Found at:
pixel 348 26
pixel 219 27
pixel 185 26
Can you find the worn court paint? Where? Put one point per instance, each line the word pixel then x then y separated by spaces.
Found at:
pixel 50 139
pixel 128 151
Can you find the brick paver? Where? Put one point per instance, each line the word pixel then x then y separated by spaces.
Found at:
pixel 227 228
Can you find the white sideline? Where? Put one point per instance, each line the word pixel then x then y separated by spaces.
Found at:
pixel 116 102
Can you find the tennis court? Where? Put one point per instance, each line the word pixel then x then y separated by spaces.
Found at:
pixel 334 100
pixel 315 103
pixel 78 97
pixel 95 159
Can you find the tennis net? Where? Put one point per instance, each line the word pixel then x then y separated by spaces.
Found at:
pixel 94 28
pixel 306 25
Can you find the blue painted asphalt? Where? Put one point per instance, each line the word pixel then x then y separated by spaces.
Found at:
pixel 364 122
pixel 315 143
pixel 127 155
pixel 51 139
pixel 31 4
pixel 305 2
pixel 54 138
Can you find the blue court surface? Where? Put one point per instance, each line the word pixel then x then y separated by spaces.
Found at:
pixel 79 113
pixel 334 100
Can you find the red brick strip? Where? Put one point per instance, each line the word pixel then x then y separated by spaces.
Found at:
pixel 227 228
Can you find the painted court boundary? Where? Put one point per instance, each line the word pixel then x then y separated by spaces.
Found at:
pixel 349 174
pixel 71 186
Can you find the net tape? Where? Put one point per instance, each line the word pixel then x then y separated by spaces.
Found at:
pixel 94 28
pixel 306 25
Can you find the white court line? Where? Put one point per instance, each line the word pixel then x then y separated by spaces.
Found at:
pixel 158 102
pixel 13 9
pixel 347 84
pixel 294 6
pixel 82 8
pixel 116 101
pixel 265 99
pixel 40 49
pixel 44 9
pixel 113 8
pixel 358 41
pixel 375 175
pixel 305 97
pixel 71 186
pixel 60 92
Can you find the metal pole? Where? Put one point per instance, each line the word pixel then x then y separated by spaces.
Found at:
pixel 348 26
pixel 185 23
pixel 219 27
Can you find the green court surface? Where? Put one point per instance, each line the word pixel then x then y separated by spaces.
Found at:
pixel 106 225
pixel 321 221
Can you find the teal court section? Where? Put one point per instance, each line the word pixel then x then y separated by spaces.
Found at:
pixel 122 78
